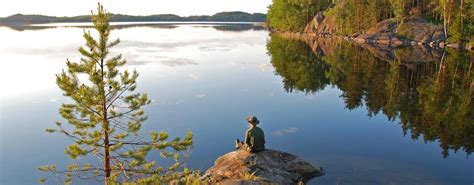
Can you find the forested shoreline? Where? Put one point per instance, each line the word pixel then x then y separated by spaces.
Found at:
pixel 354 17
pixel 236 16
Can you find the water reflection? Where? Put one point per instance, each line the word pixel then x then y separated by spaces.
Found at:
pixel 430 91
pixel 220 26
pixel 208 81
pixel 237 28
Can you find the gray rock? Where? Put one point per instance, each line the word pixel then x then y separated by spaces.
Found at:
pixel 266 167
pixel 438 36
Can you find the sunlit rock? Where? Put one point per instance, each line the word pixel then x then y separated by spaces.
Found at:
pixel 266 167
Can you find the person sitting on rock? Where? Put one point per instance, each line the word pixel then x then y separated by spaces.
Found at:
pixel 254 137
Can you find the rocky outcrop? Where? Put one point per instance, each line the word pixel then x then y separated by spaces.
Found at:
pixel 313 25
pixel 383 33
pixel 414 54
pixel 266 167
pixel 419 30
pixel 413 31
pixel 321 25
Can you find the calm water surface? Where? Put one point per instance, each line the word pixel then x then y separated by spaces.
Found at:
pixel 367 116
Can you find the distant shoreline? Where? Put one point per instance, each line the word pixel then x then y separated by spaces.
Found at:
pixel 116 23
pixel 20 19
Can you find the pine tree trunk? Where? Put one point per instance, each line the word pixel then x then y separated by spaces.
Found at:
pixel 445 25
pixel 105 128
pixel 107 154
pixel 462 16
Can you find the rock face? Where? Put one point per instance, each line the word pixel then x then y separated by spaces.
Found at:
pixel 413 54
pixel 418 29
pixel 320 24
pixel 266 167
pixel 414 31
pixel 313 25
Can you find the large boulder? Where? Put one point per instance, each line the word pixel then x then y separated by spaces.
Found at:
pixel 383 33
pixel 385 26
pixel 420 30
pixel 413 31
pixel 266 167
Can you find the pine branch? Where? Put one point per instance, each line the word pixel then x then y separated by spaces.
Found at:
pixel 117 97
pixel 121 114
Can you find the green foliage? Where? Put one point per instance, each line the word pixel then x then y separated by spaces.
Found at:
pixel 398 8
pixel 293 15
pixel 357 16
pixel 105 116
pixel 405 31
pixel 302 72
pixel 42 180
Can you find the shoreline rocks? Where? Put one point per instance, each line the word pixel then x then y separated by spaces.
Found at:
pixel 413 31
pixel 266 167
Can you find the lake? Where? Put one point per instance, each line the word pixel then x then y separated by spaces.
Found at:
pixel 367 115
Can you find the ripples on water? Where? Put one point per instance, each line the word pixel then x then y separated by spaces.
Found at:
pixel 367 115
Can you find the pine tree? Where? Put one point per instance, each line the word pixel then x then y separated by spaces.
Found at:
pixel 105 117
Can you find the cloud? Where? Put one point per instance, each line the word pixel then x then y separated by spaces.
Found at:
pixel 216 47
pixel 285 131
pixel 311 97
pixel 173 62
pixel 264 67
pixel 201 95
pixel 193 76
pixel 140 57
pixel 176 102
pixel 53 100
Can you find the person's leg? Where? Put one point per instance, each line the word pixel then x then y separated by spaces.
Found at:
pixel 239 145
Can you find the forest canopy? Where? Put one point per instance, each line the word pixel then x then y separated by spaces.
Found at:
pixel 356 16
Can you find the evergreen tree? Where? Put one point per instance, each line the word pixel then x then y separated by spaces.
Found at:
pixel 105 117
pixel 293 15
pixel 398 7
pixel 357 16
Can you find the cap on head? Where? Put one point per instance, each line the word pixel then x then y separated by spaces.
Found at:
pixel 252 119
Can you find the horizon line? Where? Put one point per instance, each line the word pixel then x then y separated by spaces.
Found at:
pixel 135 15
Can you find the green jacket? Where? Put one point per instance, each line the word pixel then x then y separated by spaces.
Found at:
pixel 255 139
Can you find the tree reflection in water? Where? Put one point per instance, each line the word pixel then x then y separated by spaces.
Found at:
pixel 430 91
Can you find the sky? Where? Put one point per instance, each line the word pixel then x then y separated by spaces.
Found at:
pixel 131 7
